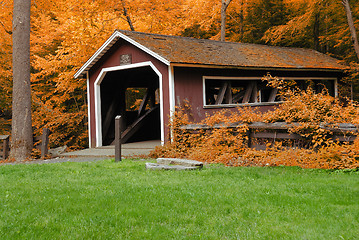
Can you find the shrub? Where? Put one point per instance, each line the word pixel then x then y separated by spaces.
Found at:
pixel 228 145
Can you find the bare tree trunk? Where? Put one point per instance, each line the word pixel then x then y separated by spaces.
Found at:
pixel 316 29
pixel 224 7
pixel 351 26
pixel 125 12
pixel 241 20
pixel 21 133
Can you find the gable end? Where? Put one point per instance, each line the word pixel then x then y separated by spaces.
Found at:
pixel 81 73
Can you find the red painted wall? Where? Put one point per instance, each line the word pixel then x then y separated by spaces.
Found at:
pixel 112 59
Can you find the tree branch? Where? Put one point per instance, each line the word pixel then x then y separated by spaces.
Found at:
pixel 351 26
pixel 7 31
pixel 125 12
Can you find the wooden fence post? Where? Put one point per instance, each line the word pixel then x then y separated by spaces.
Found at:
pixel 118 139
pixel 6 147
pixel 45 142
pixel 249 141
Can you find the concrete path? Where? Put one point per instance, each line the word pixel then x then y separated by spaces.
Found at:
pixel 128 150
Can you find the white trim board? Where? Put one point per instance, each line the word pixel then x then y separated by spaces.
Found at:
pixel 97 94
pixel 88 109
pixel 172 94
pixel 171 86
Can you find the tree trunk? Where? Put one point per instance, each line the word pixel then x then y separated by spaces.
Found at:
pixel 21 133
pixel 316 29
pixel 125 12
pixel 223 18
pixel 351 26
pixel 241 21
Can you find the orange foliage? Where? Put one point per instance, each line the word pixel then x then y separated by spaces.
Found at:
pixel 65 33
pixel 228 145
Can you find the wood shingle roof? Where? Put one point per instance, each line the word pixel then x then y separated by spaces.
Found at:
pixel 184 50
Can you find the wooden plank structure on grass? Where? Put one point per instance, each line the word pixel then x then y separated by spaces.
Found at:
pixel 278 131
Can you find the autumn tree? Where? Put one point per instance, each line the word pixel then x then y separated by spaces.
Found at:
pixel 21 134
pixel 317 24
pixel 321 25
pixel 65 33
pixel 261 16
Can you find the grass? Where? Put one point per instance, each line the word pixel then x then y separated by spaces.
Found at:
pixel 108 200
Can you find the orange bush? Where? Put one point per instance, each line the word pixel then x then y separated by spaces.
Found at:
pixel 219 144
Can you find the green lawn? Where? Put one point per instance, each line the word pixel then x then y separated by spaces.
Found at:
pixel 108 200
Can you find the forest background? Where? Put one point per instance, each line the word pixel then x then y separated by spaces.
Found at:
pixel 65 33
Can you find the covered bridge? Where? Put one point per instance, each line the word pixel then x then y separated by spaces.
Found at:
pixel 167 70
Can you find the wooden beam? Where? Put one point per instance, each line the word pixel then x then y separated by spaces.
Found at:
pixel 143 104
pixel 134 127
pixel 254 96
pixel 238 97
pixel 249 136
pixel 273 95
pixel 150 93
pixel 228 94
pixel 248 92
pixel 344 138
pixel 221 93
pixel 275 135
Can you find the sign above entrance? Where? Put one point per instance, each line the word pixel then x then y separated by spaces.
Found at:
pixel 125 59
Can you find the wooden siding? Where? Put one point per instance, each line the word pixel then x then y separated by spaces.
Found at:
pixel 189 85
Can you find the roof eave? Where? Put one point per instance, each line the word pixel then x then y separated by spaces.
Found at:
pixel 179 64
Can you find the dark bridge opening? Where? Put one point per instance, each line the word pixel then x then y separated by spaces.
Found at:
pixel 133 94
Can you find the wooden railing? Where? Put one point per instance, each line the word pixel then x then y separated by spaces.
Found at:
pixel 259 134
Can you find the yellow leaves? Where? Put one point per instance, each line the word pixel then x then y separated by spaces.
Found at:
pixel 316 116
pixel 308 106
pixel 65 33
